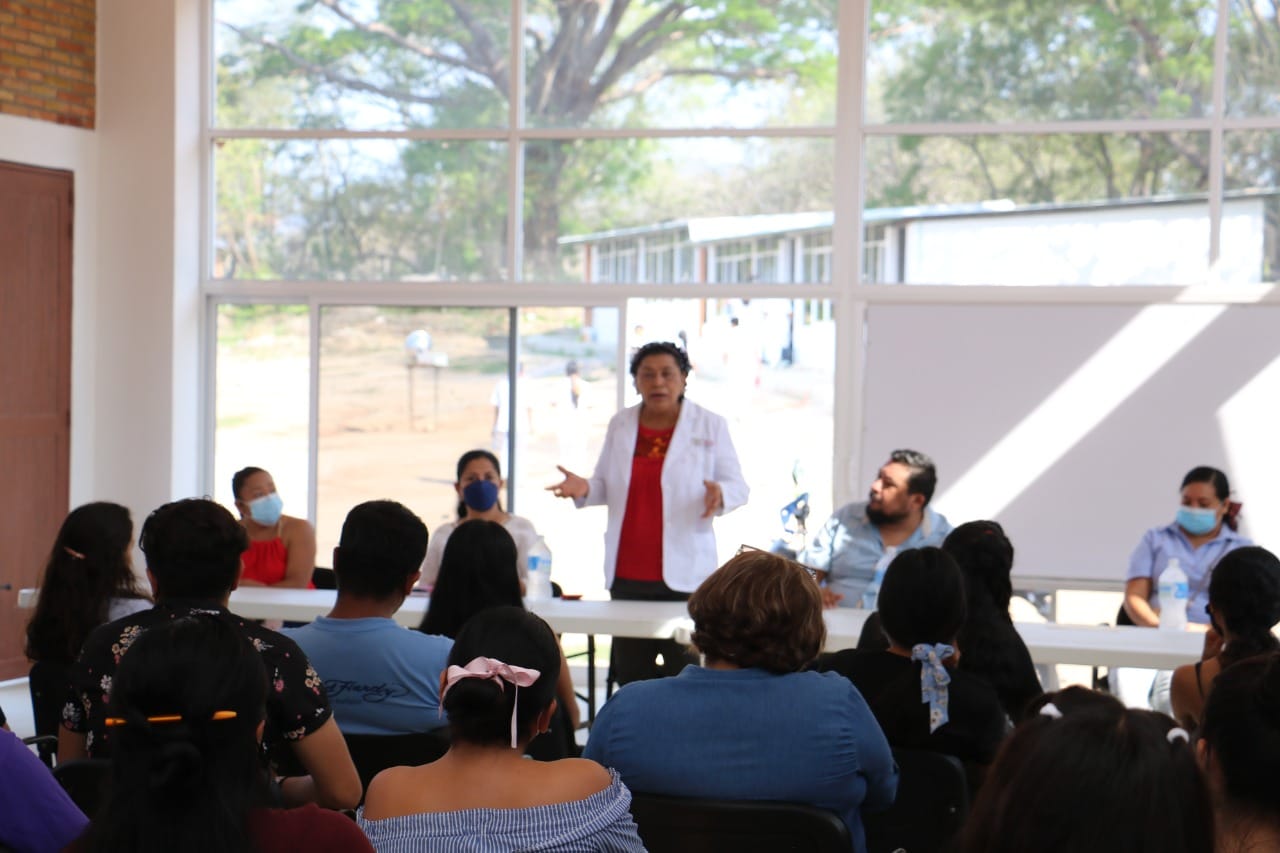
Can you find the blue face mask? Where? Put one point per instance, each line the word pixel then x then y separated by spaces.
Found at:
pixel 1197 522
pixel 480 494
pixel 266 510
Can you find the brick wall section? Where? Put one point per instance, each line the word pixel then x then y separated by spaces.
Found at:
pixel 47 60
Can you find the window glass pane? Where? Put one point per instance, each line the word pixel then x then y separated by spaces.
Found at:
pixel 619 64
pixel 1038 210
pixel 991 61
pixel 567 392
pixel 1251 211
pixel 640 210
pixel 361 65
pixel 261 400
pixel 403 393
pixel 1253 66
pixel 769 370
pixel 360 209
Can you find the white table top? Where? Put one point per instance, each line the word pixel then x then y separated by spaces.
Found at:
pixel 1048 643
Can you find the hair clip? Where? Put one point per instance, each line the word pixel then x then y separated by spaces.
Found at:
pixel 74 554
pixel 1051 710
pixel 1177 733
pixel 115 722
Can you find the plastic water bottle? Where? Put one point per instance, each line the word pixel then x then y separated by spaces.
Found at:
pixel 871 597
pixel 1173 593
pixel 537 583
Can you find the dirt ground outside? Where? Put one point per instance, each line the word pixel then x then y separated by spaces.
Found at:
pixel 369 447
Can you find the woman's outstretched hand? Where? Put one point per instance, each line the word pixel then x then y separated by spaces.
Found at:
pixel 572 486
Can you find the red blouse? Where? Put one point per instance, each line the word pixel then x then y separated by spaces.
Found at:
pixel 640 542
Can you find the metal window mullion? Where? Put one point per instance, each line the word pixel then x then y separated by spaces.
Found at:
pixel 313 409
pixel 1217 150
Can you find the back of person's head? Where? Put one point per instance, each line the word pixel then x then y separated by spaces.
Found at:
pixel 381 546
pixel 1244 595
pixel 187 783
pixel 87 567
pixel 480 708
pixel 478 570
pixel 759 610
pixel 923 476
pixel 1088 774
pixel 922 598
pixel 985 557
pixel 193 549
pixel 1240 729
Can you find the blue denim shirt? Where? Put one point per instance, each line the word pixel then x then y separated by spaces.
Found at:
pixel 848 546
pixel 1160 544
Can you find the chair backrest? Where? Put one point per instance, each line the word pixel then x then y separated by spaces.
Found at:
pixel 85 781
pixel 374 753
pixel 683 825
pixel 47 682
pixel 931 805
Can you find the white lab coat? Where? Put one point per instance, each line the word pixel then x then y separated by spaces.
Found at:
pixel 700 450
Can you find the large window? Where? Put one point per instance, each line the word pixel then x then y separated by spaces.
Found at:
pixel 537 186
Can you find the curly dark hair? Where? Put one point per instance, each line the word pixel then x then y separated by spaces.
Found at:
pixel 759 610
pixel 661 348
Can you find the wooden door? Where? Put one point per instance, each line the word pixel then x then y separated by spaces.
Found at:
pixel 35 384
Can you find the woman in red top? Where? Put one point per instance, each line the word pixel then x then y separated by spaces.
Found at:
pixel 667 469
pixel 282 549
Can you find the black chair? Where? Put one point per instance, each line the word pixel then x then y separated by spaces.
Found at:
pixel 683 825
pixel 374 753
pixel 48 683
pixel 931 805
pixel 85 781
pixel 322 578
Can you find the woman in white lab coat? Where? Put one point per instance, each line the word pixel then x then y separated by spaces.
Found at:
pixel 666 470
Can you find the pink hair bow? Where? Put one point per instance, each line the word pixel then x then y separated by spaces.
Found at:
pixel 491 669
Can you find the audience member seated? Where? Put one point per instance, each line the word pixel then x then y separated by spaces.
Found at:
pixel 993 649
pixel 748 724
pixel 380 677
pixel 896 515
pixel 499 693
pixel 36 815
pixel 88 581
pixel 193 550
pixel 1244 604
pixel 479 486
pixel 478 571
pixel 920 697
pixel 282 548
pixel 1239 752
pixel 187 715
pixel 1088 774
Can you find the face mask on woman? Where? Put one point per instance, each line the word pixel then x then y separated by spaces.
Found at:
pixel 266 510
pixel 1197 522
pixel 480 494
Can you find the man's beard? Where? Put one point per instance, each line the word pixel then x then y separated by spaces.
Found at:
pixel 879 517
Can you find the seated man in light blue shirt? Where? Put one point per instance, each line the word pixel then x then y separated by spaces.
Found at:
pixel 381 678
pixel 896 515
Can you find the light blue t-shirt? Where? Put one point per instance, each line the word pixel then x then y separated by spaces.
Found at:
pixel 1159 544
pixel 382 679
pixel 848 546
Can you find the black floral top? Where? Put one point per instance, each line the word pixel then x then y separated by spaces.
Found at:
pixel 296 701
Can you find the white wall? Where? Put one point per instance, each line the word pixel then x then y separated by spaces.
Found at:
pixel 1073 425
pixel 1154 244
